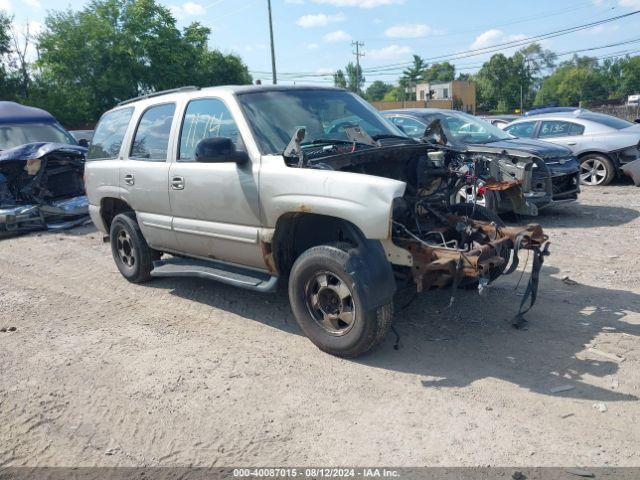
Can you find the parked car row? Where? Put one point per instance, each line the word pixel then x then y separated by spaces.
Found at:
pixel 602 143
pixel 552 182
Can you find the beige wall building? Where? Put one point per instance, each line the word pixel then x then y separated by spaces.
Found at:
pixel 459 95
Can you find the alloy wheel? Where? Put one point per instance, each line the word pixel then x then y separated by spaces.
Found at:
pixel 330 302
pixel 468 193
pixel 593 172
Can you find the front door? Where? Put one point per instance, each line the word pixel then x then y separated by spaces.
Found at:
pixel 215 206
pixel 143 176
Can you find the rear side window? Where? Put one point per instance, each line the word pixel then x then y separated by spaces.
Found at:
pixel 524 130
pixel 205 118
pixel 107 139
pixel 557 128
pixel 151 140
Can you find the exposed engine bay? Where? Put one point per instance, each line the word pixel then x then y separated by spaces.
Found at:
pixel 449 244
pixel 41 186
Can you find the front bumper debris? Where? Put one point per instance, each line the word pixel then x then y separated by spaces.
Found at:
pixel 57 215
pixel 439 267
pixel 632 170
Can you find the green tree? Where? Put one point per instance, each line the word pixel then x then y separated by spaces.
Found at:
pixel 629 77
pixel 6 87
pixel 579 81
pixel 339 80
pixel 499 82
pixel 377 90
pixel 355 79
pixel 112 50
pixel 439 73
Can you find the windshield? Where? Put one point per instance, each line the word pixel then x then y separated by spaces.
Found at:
pixel 19 134
pixel 462 128
pixel 276 115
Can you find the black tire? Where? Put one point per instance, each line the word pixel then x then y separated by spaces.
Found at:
pixel 594 159
pixel 367 326
pixel 133 256
pixel 483 214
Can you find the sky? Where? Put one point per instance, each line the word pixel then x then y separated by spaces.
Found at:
pixel 313 38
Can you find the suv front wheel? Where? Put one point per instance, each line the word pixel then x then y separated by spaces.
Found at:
pixel 328 307
pixel 133 257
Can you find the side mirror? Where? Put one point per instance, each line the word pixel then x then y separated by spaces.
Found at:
pixel 83 142
pixel 219 150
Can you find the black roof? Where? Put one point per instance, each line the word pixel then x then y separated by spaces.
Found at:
pixel 12 112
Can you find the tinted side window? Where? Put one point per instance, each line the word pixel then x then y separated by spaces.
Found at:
pixel 205 118
pixel 152 135
pixel 411 127
pixel 558 128
pixel 107 139
pixel 522 129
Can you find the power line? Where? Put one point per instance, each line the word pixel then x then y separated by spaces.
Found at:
pixel 507 45
pixel 485 50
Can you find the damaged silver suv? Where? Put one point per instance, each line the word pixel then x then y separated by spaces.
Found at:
pixel 307 186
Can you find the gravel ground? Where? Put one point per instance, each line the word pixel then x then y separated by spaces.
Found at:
pixel 187 372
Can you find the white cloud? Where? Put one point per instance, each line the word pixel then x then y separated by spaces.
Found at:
pixel 5 5
pixel 360 3
pixel 337 36
pixel 389 53
pixel 410 30
pixel 494 37
pixel 312 46
pixel 629 3
pixel 35 4
pixel 325 71
pixel 192 8
pixel 186 9
pixel 319 20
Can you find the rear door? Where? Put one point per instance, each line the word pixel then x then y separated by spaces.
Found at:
pixel 144 174
pixel 567 134
pixel 215 206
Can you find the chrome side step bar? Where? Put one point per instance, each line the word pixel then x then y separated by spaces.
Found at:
pixel 229 274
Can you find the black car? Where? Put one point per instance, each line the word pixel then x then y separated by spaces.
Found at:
pixel 554 180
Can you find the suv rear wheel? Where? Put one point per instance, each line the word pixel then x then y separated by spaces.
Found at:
pixel 133 257
pixel 328 307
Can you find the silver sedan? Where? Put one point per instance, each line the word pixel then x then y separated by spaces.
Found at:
pixel 602 143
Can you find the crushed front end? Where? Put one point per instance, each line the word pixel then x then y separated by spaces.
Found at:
pixel 42 187
pixel 434 241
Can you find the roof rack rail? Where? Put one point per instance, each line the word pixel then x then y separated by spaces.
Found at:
pixel 190 88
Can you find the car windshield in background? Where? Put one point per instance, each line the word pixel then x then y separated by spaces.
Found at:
pixel 18 134
pixel 607 120
pixel 461 128
pixel 276 115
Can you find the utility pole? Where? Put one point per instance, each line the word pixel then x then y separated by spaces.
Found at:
pixel 273 48
pixel 358 54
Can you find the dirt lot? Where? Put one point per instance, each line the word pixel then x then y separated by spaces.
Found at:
pixel 179 372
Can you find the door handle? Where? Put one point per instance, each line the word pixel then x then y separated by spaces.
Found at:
pixel 177 183
pixel 129 179
pixel 571 143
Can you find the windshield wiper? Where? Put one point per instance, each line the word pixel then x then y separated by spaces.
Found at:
pixel 332 141
pixel 391 135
